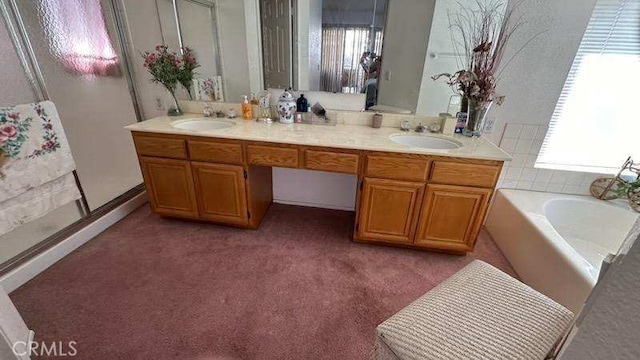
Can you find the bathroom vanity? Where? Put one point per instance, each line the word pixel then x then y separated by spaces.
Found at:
pixel 407 196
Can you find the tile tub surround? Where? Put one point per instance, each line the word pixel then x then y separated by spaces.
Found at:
pixel 343 136
pixel 523 142
pixel 155 288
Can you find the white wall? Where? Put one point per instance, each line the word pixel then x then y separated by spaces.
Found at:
pixel 403 54
pixel 15 88
pixel 254 45
pixel 435 95
pixel 532 84
pixel 309 44
pixel 144 34
pixel 233 44
pixel 610 328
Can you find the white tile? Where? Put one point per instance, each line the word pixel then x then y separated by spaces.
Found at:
pixel 528 174
pixel 535 147
pixel 575 178
pixel 512 131
pixel 542 132
pixel 513 173
pixel 518 160
pixel 523 146
pixel 508 145
pixel 574 189
pixel 508 184
pixel 525 185
pixel 537 186
pixel 528 132
pixel 555 188
pixel 559 177
pixel 531 160
pixel 544 175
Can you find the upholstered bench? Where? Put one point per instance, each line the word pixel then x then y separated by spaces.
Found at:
pixel 478 313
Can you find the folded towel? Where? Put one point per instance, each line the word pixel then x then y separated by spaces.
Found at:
pixel 36 164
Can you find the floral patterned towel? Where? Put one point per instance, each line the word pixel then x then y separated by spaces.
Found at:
pixel 34 156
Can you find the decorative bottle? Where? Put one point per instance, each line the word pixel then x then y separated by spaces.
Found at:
pixel 247 112
pixel 286 108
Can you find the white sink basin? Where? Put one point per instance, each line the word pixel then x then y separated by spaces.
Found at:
pixel 427 142
pixel 201 124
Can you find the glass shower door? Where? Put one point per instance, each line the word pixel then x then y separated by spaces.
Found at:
pixel 77 50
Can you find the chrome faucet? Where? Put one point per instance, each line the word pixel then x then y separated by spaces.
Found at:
pixel 420 128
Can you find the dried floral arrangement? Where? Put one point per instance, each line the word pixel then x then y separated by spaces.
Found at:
pixel 485 31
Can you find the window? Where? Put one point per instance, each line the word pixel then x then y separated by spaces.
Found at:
pixel 78 36
pixel 596 122
pixel 342 51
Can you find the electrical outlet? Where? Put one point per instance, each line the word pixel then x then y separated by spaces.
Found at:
pixel 387 75
pixel 488 125
pixel 159 103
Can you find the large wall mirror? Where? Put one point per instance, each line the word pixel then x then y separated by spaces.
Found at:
pixel 386 50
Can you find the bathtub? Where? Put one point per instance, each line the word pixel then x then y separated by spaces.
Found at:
pixel 556 243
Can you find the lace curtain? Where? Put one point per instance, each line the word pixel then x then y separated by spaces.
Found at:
pixel 78 36
pixel 342 48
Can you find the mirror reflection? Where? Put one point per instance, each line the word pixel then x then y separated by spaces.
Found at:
pixel 382 52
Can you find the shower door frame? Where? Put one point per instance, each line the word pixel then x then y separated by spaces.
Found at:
pixel 22 45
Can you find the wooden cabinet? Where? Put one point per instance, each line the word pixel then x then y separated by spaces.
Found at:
pixel 388 210
pixel 221 192
pixel 411 200
pixel 170 186
pixel 451 217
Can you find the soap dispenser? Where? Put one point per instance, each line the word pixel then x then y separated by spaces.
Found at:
pixel 247 111
pixel 302 104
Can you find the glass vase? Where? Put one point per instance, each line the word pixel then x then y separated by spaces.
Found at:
pixel 476 115
pixel 173 108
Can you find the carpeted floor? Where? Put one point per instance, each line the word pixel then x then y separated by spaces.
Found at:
pixel 297 288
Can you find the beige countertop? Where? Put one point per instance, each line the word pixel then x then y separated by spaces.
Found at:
pixel 340 136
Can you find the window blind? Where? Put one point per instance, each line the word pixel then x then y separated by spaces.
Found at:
pixel 596 122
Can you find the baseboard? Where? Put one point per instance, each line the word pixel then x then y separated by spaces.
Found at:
pixel 41 262
pixel 315 205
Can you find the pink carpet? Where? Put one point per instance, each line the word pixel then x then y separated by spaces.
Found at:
pixel 297 288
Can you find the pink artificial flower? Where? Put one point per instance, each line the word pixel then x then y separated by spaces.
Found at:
pixel 13 116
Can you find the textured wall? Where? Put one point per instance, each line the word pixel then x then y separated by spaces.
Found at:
pixel 405 46
pixel 532 83
pixel 610 330
pixel 15 88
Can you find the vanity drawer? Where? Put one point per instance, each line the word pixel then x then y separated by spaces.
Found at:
pixel 215 152
pixel 400 168
pixel 464 174
pixel 160 146
pixel 331 161
pixel 272 156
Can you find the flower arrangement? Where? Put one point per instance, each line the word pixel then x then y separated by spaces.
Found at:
pixel 169 69
pixel 484 30
pixel 186 70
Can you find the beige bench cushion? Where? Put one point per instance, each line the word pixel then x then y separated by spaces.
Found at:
pixel 478 313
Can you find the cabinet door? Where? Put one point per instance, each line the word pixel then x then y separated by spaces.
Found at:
pixel 388 210
pixel 451 217
pixel 170 186
pixel 221 192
